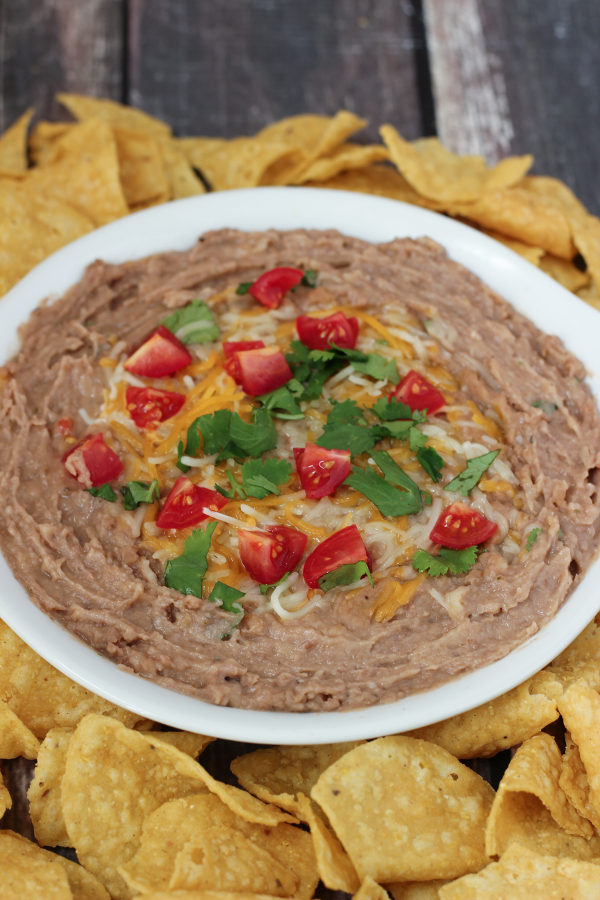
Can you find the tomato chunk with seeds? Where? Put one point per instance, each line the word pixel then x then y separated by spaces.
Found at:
pixel 231 350
pixel 92 462
pixel 262 370
pixel 319 334
pixel 160 354
pixel 149 406
pixel 460 526
pixel 270 288
pixel 342 548
pixel 419 393
pixel 185 502
pixel 267 555
pixel 321 471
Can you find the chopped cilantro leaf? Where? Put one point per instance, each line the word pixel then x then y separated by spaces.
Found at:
pixel 226 434
pixel 346 413
pixel 253 438
pixel 466 480
pixel 378 367
pixel 346 574
pixel 265 588
pixel 391 409
pixel 416 439
pixel 243 287
pixel 398 476
pixel 104 491
pixel 431 461
pixel 399 429
pixel 532 538
pixel 546 406
pixel 355 438
pixel 453 562
pixel 193 323
pixel 226 597
pixel 282 403
pixel 309 279
pixel 259 478
pixel 389 500
pixel 185 572
pixel 136 492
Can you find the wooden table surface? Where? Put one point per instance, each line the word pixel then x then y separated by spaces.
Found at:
pixel 488 76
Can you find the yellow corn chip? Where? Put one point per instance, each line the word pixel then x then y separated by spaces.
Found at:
pixel 335 869
pixel 591 294
pixel 581 659
pixel 580 709
pixel 115 114
pixel 13 145
pixel 370 890
pixel 564 271
pixel 416 890
pixel 524 875
pixel 141 169
pixel 378 179
pixel 316 135
pixel 43 138
pixel 192 744
pixel 15 738
pixel 44 794
pixel 342 159
pixel 531 254
pixel 504 722
pixel 278 774
pixel 573 780
pixel 181 179
pixel 531 809
pixel 239 163
pixel 27 871
pixel 446 177
pixel 586 236
pixel 5 798
pixel 41 696
pixel 386 801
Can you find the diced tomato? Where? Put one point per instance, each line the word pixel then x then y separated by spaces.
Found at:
pixel 262 370
pixel 319 334
pixel 321 471
pixel 92 462
pixel 418 393
pixel 460 526
pixel 65 426
pixel 231 350
pixel 160 354
pixel 185 502
pixel 269 554
pixel 341 548
pixel 270 288
pixel 149 406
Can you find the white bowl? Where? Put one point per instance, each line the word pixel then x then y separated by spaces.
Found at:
pixel 175 226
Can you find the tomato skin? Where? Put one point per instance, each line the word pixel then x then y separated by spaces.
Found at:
pixel 231 350
pixel 160 354
pixel 262 370
pixel 460 526
pixel 184 503
pixel 320 334
pixel 271 286
pixel 92 462
pixel 267 555
pixel 419 393
pixel 149 406
pixel 339 549
pixel 321 471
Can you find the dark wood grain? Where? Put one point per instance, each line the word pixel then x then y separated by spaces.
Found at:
pixel 511 76
pixel 48 46
pixel 240 65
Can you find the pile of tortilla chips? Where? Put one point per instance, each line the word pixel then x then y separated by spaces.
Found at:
pixel 400 815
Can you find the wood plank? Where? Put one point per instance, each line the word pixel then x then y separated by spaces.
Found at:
pixel 231 67
pixel 48 46
pixel 510 76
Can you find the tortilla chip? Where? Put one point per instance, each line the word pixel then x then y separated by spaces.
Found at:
pixel 44 793
pixel 586 235
pixel 15 738
pixel 178 823
pixel 316 135
pixel 533 255
pixel 186 741
pixel 581 659
pixel 141 169
pixel 31 228
pixel 443 176
pixel 504 722
pixel 84 172
pixel 278 774
pixel 531 809
pixel 29 872
pixel 580 709
pixel 522 874
pixel 5 798
pixel 573 780
pixel 386 799
pixel 333 863
pixel 41 696
pixel 239 163
pixel 345 157
pixel 370 890
pixel 416 890
pixel 564 271
pixel 43 138
pixel 13 145
pixel 181 179
pixel 115 114
pixel 591 294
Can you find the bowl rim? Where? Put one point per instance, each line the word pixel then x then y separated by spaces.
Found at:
pixel 175 226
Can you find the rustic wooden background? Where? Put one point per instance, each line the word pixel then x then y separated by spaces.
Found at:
pixel 488 76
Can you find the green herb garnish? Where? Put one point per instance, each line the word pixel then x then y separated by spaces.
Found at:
pixel 136 492
pixel 532 538
pixel 185 572
pixel 244 287
pixel 226 597
pixel 259 478
pixel 265 588
pixel 466 480
pixel 282 403
pixel 309 279
pixel 453 562
pixel 431 461
pixel 226 434
pixel 193 323
pixel 396 494
pixel 346 574
pixel 104 491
